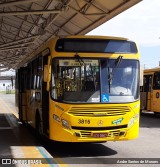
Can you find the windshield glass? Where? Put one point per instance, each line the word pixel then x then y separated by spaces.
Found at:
pixel 95 80
pixel 122 81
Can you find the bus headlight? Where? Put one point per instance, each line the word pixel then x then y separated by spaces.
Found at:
pixel 65 124
pixel 55 117
pixel 133 120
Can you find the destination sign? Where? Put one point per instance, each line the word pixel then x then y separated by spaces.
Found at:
pixel 75 62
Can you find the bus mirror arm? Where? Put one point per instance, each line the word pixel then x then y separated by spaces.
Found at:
pixel 46 76
pixel 47 86
pixel 47 73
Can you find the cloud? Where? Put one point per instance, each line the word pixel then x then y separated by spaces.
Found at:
pixel 140 23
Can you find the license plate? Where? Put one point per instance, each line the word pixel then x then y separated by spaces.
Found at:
pixel 99 135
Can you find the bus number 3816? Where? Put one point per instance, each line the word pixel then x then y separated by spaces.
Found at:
pixel 83 121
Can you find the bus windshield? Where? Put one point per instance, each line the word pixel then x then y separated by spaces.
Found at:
pixel 95 80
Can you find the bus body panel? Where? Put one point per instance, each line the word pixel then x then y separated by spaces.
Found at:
pixel 155 101
pixel 149 99
pixel 82 124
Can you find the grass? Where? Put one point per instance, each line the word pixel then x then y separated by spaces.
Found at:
pixel 9 92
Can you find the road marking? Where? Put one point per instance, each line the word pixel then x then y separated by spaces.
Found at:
pixel 8 107
pixel 47 156
pixel 3 109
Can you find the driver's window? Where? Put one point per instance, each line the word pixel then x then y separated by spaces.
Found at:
pixel 156 81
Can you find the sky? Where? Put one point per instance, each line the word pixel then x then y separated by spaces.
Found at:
pixel 140 23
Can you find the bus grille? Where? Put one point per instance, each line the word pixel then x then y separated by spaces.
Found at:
pixel 99 111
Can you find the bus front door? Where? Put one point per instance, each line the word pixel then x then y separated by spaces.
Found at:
pixel 146 93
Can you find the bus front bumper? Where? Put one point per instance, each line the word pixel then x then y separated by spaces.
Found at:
pixel 72 135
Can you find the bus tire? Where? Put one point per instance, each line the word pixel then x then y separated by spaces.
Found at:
pixel 141 112
pixel 156 113
pixel 38 126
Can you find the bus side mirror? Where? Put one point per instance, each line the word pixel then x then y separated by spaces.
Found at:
pixel 47 75
pixel 46 72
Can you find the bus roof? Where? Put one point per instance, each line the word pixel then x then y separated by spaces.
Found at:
pixel 52 40
pixel 152 70
pixel 97 37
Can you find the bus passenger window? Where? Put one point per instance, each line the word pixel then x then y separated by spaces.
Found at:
pixel 147 83
pixel 156 81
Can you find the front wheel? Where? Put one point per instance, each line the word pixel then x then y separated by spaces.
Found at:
pixel 156 113
pixel 38 126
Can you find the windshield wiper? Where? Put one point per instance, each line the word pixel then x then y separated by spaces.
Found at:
pixel 111 73
pixel 80 60
pixel 109 78
pixel 92 73
pixel 118 61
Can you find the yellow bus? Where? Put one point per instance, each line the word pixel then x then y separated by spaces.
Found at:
pixel 150 91
pixel 82 89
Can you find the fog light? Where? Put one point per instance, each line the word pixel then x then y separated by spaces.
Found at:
pixel 121 133
pixel 65 124
pixel 77 134
pixel 55 117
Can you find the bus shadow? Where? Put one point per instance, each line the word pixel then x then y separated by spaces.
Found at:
pixel 149 120
pixel 62 150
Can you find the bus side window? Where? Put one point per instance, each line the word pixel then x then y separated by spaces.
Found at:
pixel 156 81
pixel 147 83
pixel 39 73
pixel 150 83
